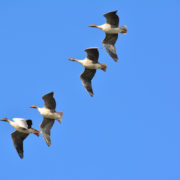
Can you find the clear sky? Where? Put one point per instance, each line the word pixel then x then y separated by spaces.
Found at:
pixel 130 129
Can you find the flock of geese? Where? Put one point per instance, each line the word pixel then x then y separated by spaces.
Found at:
pixel 23 126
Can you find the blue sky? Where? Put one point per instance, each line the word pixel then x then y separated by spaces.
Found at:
pixel 130 129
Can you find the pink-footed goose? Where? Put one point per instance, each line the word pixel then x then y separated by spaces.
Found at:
pixel 23 129
pixel 50 115
pixel 111 28
pixel 91 64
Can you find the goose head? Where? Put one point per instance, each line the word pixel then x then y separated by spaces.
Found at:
pixel 76 60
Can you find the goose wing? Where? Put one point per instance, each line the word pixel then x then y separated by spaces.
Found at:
pixel 46 126
pixel 49 101
pixel 25 123
pixel 112 18
pixel 86 78
pixel 18 138
pixel 92 54
pixel 109 42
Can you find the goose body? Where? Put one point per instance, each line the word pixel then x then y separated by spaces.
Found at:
pixel 50 115
pixel 91 64
pixel 23 129
pixel 87 63
pixel 107 28
pixel 111 28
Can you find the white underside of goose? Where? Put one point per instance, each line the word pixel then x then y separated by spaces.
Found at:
pixel 21 122
pixel 89 65
pixel 48 114
pixel 108 29
pixel 20 125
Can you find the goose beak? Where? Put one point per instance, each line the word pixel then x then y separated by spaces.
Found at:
pixel 33 106
pixel 3 119
pixel 71 59
pixel 92 25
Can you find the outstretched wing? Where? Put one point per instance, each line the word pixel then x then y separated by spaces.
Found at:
pixel 46 126
pixel 49 101
pixel 86 78
pixel 18 138
pixel 112 18
pixel 109 42
pixel 92 54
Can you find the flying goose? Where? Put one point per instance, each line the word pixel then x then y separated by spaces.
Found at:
pixel 111 28
pixel 91 64
pixel 50 115
pixel 23 129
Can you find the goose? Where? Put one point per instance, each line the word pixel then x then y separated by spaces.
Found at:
pixel 23 129
pixel 50 115
pixel 111 28
pixel 91 64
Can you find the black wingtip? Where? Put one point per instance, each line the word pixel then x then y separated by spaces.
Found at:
pixel 21 155
pixel 110 12
pixel 47 142
pixel 114 11
pixel 48 145
pixel 29 123
pixel 90 93
pixel 116 59
pixel 111 51
pixel 51 93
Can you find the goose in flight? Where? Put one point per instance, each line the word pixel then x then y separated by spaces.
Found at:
pixel 23 129
pixel 50 115
pixel 91 64
pixel 111 28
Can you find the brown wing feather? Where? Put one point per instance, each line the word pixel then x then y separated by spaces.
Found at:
pixel 109 42
pixel 18 138
pixel 112 18
pixel 86 78
pixel 49 101
pixel 46 126
pixel 92 54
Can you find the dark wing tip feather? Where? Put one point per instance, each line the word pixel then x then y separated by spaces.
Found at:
pixel 111 12
pixel 86 78
pixel 29 123
pixel 111 51
pixel 48 95
pixel 21 155
pixel 91 48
